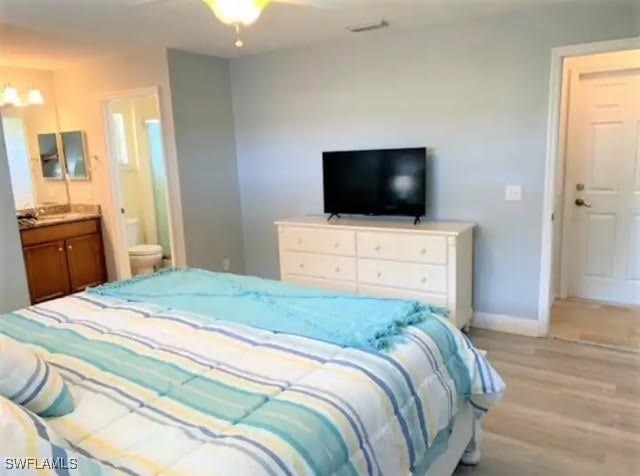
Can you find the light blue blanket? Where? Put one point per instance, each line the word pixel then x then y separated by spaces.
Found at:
pixel 342 319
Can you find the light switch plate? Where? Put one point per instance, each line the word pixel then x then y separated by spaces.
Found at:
pixel 513 193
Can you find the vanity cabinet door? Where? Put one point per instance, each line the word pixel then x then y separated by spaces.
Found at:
pixel 47 271
pixel 85 260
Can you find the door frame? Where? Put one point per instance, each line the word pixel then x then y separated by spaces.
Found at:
pixel 573 74
pixel 556 133
pixel 121 258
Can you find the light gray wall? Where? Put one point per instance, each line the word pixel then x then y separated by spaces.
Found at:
pixel 205 144
pixel 476 93
pixel 14 293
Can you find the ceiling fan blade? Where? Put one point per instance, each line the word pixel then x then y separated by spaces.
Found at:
pixel 325 3
pixel 150 3
pixel 307 3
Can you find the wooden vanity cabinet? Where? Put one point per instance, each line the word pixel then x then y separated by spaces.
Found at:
pixel 63 259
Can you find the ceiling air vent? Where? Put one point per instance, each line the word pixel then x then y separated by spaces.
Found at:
pixel 368 26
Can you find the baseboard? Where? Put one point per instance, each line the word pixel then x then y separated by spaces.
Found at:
pixel 508 324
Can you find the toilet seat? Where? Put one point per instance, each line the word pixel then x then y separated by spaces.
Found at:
pixel 145 250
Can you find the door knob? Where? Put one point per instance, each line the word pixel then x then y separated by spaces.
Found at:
pixel 581 203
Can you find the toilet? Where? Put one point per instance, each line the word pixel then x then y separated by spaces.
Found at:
pixel 144 259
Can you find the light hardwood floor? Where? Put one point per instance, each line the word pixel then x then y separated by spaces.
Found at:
pixel 583 321
pixel 569 409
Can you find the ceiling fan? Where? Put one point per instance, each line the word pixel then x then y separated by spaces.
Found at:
pixel 242 13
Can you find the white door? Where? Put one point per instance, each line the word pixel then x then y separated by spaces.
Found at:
pixel 603 186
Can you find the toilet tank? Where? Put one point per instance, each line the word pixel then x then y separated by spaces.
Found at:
pixel 133 231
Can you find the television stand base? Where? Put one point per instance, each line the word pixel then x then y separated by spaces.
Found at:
pixel 333 215
pixel 416 221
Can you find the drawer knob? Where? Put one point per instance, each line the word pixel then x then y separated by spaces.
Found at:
pixel 70 247
pixel 379 274
pixel 377 248
pixel 338 269
pixel 299 241
pixel 423 252
pixel 424 280
pixel 301 265
pixel 60 249
pixel 337 245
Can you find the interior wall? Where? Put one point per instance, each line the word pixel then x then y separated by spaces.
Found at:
pixel 136 177
pixel 80 91
pixel 476 93
pixel 204 128
pixel 145 109
pixel 158 179
pixel 129 175
pixel 13 281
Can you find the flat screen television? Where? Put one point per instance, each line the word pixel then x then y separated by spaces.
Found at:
pixel 375 182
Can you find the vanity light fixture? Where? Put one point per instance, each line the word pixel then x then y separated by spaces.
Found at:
pixel 10 96
pixel 35 97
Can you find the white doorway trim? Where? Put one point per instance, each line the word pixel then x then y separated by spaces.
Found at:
pixel 576 69
pixel 121 255
pixel 555 129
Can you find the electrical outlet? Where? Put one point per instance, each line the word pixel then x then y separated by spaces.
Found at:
pixel 226 264
pixel 513 193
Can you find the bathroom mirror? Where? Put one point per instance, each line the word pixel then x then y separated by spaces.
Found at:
pixel 31 141
pixel 50 156
pixel 75 156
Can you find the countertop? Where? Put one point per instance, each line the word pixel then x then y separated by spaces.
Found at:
pixel 49 220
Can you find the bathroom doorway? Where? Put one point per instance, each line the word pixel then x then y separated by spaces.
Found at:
pixel 139 176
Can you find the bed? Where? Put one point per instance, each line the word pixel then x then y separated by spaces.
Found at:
pixel 161 386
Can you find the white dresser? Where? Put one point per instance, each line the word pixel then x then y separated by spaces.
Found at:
pixel 429 262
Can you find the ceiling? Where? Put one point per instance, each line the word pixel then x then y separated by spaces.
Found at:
pixel 49 34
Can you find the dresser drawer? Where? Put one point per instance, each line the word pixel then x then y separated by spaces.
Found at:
pixel 319 283
pixel 439 300
pixel 335 242
pixel 319 266
pixel 403 247
pixel 419 277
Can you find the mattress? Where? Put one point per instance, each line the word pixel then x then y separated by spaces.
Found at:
pixel 164 391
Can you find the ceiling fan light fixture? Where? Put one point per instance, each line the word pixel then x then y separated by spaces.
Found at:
pixel 237 12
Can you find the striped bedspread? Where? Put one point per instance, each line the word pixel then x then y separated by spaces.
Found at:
pixel 159 391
